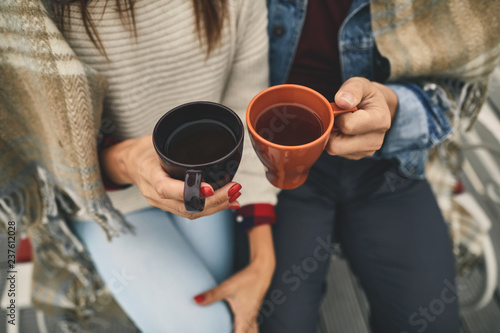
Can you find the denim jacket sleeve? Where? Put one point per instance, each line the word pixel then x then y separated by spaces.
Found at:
pixel 420 121
pixel 419 124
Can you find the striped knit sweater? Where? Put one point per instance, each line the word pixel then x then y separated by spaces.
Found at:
pixel 167 66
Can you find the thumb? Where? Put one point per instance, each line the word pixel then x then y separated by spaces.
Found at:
pixel 352 92
pixel 211 296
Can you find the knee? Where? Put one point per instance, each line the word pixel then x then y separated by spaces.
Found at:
pixel 430 311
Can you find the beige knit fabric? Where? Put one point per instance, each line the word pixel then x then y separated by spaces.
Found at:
pixel 165 67
pixel 455 43
pixel 457 38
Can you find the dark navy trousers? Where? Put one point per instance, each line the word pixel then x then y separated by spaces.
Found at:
pixel 391 232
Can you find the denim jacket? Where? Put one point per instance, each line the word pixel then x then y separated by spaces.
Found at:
pixel 420 122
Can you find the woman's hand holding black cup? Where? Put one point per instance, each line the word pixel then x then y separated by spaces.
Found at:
pixel 135 161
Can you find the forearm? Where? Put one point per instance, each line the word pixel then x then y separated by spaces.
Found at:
pixel 113 162
pixel 262 248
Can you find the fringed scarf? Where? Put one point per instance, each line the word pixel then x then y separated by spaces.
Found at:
pixel 50 111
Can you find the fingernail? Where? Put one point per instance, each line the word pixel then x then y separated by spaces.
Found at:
pixel 235 188
pixel 234 197
pixel 206 191
pixel 234 206
pixel 199 298
pixel 348 97
pixel 459 188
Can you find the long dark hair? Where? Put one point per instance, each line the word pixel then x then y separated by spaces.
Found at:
pixel 210 13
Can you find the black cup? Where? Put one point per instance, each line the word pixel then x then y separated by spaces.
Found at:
pixel 217 172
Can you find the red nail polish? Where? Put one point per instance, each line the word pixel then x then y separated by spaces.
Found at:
pixel 459 188
pixel 206 191
pixel 234 197
pixel 235 188
pixel 199 298
pixel 235 206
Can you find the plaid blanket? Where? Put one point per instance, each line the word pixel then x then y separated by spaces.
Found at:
pixel 452 43
pixel 50 109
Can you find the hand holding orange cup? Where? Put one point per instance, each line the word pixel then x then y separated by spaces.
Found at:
pixel 289 128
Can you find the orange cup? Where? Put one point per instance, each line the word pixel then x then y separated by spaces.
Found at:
pixel 287 167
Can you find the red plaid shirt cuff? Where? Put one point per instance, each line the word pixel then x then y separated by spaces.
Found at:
pixel 250 216
pixel 104 142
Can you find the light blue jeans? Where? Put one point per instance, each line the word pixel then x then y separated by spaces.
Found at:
pixel 155 273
